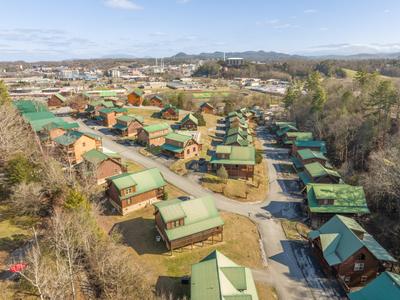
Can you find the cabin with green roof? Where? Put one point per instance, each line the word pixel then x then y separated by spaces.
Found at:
pixel 157 101
pixel 185 223
pixel 386 285
pixel 153 135
pixel 128 125
pixel 56 100
pixel 326 200
pixel 308 156
pixel 317 173
pixel 311 144
pixel 238 161
pixel 181 146
pixel 283 129
pixel 238 140
pixel 103 164
pixel 131 191
pixel 289 137
pixel 95 106
pixel 73 144
pixel 135 97
pixel 189 122
pixel 108 116
pixel 216 277
pixel 169 112
pixel 346 250
pixel 29 106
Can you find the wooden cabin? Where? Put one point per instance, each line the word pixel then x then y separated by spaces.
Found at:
pixel 207 108
pixel 310 144
pixel 181 146
pixel 317 173
pixel 153 135
pixel 238 161
pixel 56 100
pixel 73 144
pixel 344 249
pixel 135 98
pixel 109 116
pixel 169 112
pixel 104 165
pixel 156 100
pixel 131 191
pixel 185 223
pixel 308 156
pixel 325 200
pixel 189 122
pixel 129 125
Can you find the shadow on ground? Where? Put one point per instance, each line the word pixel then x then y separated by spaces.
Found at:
pixel 172 288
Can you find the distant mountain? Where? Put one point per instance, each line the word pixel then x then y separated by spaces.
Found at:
pixel 248 55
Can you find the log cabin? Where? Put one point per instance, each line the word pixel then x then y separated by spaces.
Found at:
pixel 344 249
pixel 93 108
pixel 153 135
pixel 185 223
pixel 156 100
pixel 128 192
pixel 135 98
pixel 181 146
pixel 129 125
pixel 108 116
pixel 56 100
pixel 325 200
pixel 387 284
pixel 189 122
pixel 312 145
pixel 290 137
pixel 207 108
pixel 104 165
pixel 308 156
pixel 73 144
pixel 169 112
pixel 217 277
pixel 237 137
pixel 238 161
pixel 317 173
pixel 55 129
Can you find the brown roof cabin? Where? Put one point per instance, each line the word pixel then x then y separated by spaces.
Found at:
pixel 169 112
pixel 345 250
pixel 131 191
pixel 156 100
pixel 135 98
pixel 104 165
pixel 56 100
pixel 153 135
pixel 181 146
pixel 207 108
pixel 189 122
pixel 185 223
pixel 73 144
pixel 129 125
pixel 109 116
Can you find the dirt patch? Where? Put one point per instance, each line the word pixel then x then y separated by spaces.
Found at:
pixel 295 230
pixel 266 292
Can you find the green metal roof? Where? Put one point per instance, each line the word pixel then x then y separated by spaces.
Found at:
pixel 347 198
pixel 304 178
pixel 237 155
pixel 284 129
pixel 296 162
pixel 216 277
pixel 300 136
pixel 95 156
pixel 339 240
pixel 29 106
pixel 312 144
pixel 143 181
pixel 130 118
pixel 137 92
pixel 237 130
pixel 113 109
pixel 172 148
pixel 236 138
pixel 60 97
pixel 70 137
pixel 169 106
pixel 199 215
pixel 315 169
pixel 181 138
pixel 156 127
pixel 61 125
pixel 386 285
pixel 106 93
pixel 190 117
pixel 310 154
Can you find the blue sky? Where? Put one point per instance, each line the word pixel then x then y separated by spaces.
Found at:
pixel 60 29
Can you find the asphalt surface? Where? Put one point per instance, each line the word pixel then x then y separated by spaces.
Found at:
pixel 286 264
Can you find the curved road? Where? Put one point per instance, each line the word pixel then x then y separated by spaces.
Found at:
pixel 283 270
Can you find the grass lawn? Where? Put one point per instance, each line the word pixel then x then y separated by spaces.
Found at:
pixel 138 231
pixel 132 166
pixel 265 291
pixel 294 230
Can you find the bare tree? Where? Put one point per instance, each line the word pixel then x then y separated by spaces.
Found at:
pixel 28 198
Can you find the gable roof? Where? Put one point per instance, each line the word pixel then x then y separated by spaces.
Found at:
pixel 310 154
pixel 315 169
pixel 169 106
pixel 299 136
pixel 311 144
pixel 182 138
pixel 29 106
pixel 72 136
pixel 60 125
pixel 216 277
pixel 113 109
pixel 158 97
pixel 131 118
pixel 60 97
pixel 199 215
pixel 237 155
pixel 387 284
pixel 156 127
pixel 237 138
pixel 339 240
pixel 206 104
pixel 190 117
pixel 285 128
pixel 138 93
pixel 95 156
pixel 347 198
pixel 143 181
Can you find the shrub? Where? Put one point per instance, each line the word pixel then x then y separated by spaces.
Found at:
pixel 200 118
pixel 222 173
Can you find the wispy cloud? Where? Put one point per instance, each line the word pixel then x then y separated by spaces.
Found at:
pixel 123 4
pixel 183 1
pixel 353 48
pixel 277 24
pixel 310 11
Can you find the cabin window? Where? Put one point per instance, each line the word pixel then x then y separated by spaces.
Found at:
pixel 128 190
pixel 187 151
pixel 83 144
pixel 347 279
pixel 363 279
pixel 361 257
pixel 194 149
pixel 358 266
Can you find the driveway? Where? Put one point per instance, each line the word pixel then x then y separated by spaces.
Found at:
pixel 288 269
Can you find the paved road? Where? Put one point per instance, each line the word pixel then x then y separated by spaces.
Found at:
pixel 282 256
